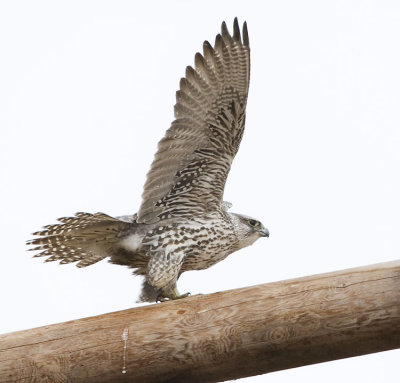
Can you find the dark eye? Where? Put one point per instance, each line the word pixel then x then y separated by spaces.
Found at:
pixel 253 222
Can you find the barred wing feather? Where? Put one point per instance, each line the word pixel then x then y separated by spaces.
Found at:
pixel 189 171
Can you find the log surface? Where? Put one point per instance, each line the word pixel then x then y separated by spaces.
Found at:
pixel 217 337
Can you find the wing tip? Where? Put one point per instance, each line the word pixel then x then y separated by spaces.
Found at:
pixel 236 32
pixel 224 29
pixel 198 60
pixel 207 48
pixel 245 35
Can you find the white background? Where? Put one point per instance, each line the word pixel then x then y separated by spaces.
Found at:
pixel 87 90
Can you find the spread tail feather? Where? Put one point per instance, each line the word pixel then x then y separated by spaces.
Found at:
pixel 85 238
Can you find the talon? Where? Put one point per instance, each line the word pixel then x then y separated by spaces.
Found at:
pixel 182 296
pixel 160 299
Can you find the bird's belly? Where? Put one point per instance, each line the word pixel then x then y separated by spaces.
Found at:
pixel 202 257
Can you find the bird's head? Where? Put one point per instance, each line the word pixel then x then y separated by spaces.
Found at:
pixel 247 229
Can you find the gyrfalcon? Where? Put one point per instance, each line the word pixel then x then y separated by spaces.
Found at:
pixel 183 223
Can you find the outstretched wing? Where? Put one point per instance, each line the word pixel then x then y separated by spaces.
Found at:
pixel 189 171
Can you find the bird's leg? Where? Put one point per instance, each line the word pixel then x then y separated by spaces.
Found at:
pixel 171 295
pixel 175 294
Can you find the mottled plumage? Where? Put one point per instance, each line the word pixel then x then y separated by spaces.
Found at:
pixel 182 223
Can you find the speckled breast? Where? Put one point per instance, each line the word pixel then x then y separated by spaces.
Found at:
pixel 206 243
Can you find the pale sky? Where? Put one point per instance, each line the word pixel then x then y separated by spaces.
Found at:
pixel 87 90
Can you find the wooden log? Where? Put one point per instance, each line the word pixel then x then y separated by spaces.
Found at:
pixel 216 337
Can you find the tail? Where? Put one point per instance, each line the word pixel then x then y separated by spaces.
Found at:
pixel 85 238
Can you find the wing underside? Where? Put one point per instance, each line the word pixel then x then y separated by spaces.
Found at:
pixel 189 171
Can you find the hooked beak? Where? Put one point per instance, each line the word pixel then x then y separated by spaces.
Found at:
pixel 264 232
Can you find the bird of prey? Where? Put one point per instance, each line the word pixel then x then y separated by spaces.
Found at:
pixel 182 223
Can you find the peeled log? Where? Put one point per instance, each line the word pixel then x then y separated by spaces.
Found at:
pixel 221 336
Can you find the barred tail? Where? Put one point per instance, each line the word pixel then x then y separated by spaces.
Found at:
pixel 86 238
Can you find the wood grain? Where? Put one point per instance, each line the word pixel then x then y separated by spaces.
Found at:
pixel 226 335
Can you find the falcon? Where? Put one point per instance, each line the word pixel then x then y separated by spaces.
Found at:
pixel 183 223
